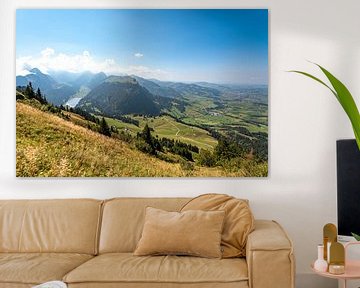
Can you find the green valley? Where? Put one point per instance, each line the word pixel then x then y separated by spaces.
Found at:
pixel 49 146
pixel 198 131
pixel 166 126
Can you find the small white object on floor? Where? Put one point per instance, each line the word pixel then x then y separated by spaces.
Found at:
pixel 51 284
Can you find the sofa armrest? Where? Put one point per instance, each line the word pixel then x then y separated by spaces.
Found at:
pixel 269 255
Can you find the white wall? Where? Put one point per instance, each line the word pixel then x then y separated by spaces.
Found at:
pixel 305 120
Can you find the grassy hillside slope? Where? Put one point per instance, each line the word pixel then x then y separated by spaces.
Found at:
pixel 47 145
pixel 165 126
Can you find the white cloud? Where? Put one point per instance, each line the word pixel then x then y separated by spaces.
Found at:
pixel 22 66
pixel 48 52
pixel 50 60
pixel 147 72
pixel 138 55
pixel 86 53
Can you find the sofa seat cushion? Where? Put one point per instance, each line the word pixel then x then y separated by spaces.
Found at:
pixel 36 268
pixel 127 268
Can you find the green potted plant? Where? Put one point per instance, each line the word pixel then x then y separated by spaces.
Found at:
pixel 345 99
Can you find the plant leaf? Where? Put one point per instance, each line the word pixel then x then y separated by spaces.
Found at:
pixel 347 102
pixel 316 79
pixel 356 236
pixel 344 97
pixel 357 137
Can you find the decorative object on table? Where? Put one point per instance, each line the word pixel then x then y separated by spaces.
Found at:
pixel 337 258
pixel 329 236
pixel 52 284
pixel 189 97
pixel 333 252
pixel 344 273
pixel 344 97
pixel 336 269
pixel 320 264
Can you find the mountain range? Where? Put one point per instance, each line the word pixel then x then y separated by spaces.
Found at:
pixel 59 87
pixel 118 95
pixel 56 92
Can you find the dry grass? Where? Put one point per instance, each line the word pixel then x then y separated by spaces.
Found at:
pixel 49 146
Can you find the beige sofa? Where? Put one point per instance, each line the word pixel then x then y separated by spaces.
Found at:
pixel 89 243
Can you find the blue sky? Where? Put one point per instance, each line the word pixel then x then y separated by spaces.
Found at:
pixel 220 46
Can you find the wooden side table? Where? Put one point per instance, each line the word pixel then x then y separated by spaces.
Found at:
pixel 352 268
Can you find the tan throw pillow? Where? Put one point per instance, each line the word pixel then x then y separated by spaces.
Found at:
pixel 239 220
pixel 196 233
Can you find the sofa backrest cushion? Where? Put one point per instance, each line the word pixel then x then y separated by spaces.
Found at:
pixel 123 220
pixel 64 226
pixel 239 220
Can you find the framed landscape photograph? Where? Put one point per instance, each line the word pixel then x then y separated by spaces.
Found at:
pixel 142 93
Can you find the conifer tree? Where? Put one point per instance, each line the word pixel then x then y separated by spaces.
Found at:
pixel 29 91
pixel 146 143
pixel 39 96
pixel 146 134
pixel 104 128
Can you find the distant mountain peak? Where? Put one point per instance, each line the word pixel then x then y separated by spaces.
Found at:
pixel 101 74
pixel 121 79
pixel 35 71
pixel 56 93
pixel 119 95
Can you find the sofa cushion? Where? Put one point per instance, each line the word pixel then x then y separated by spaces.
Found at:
pixel 239 220
pixel 36 268
pixel 194 232
pixel 126 268
pixel 123 220
pixel 63 226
